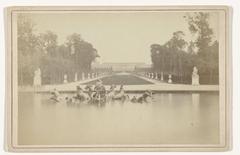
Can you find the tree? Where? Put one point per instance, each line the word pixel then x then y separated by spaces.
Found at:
pixel 48 42
pixel 27 49
pixel 176 47
pixel 155 56
pixel 213 62
pixel 199 26
pixel 177 43
pixel 42 51
pixel 50 60
pixel 82 52
pixel 172 57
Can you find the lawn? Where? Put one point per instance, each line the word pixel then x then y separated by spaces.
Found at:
pixel 122 80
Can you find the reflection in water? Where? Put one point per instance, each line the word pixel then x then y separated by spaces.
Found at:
pixel 179 118
pixel 169 98
pixel 195 99
pixel 195 109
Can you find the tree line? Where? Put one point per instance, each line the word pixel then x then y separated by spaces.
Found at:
pixel 178 57
pixel 42 51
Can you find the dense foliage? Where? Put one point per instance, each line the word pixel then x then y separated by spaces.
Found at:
pixel 178 57
pixel 43 51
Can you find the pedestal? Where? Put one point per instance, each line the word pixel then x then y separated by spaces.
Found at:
pixel 169 78
pixel 195 79
pixel 156 76
pixel 152 75
pixel 65 78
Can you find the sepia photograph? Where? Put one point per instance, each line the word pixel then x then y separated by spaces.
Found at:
pixel 118 78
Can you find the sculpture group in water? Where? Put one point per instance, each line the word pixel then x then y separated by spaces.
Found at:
pixel 98 94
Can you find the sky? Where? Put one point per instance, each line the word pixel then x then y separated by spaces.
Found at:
pixel 118 37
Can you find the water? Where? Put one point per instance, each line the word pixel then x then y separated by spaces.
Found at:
pixel 171 118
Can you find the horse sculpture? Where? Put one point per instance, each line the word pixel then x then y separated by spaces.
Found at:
pixel 99 95
pixel 113 94
pixel 143 98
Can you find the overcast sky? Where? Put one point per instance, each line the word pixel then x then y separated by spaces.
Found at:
pixel 118 37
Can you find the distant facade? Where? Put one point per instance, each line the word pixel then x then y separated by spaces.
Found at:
pixel 120 67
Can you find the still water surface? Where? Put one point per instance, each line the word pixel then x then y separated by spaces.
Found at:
pixel 171 118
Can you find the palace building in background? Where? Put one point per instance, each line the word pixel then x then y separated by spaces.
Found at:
pixel 121 67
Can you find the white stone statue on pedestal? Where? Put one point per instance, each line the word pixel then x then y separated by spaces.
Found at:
pixel 37 80
pixel 152 75
pixel 65 78
pixel 156 76
pixel 195 76
pixel 89 76
pixel 169 78
pixel 75 77
pixel 83 76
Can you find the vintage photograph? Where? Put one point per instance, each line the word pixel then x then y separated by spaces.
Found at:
pixel 120 78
